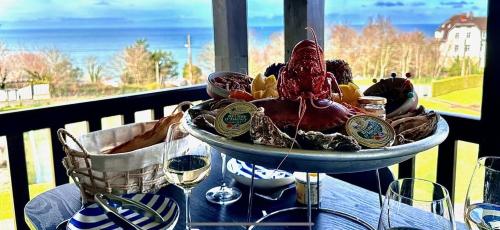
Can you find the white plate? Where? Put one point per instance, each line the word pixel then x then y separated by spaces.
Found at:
pixel 93 217
pixel 264 178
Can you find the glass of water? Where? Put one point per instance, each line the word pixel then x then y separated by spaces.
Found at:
pixel 412 204
pixel 482 204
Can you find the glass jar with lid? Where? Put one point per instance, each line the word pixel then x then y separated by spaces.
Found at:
pixel 373 105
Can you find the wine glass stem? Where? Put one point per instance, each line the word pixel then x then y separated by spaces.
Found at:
pixel 187 192
pixel 223 156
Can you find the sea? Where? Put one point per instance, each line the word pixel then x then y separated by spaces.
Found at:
pixel 105 43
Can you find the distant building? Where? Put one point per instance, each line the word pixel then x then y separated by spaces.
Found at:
pixel 463 35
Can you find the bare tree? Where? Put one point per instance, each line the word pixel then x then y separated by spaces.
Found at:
pixel 94 69
pixel 206 58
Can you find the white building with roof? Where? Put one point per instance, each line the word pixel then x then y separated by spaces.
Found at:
pixel 463 35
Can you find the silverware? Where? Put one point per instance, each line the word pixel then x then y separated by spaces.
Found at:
pixel 275 195
pixel 102 201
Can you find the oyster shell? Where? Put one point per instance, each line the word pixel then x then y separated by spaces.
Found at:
pixel 205 121
pixel 334 141
pixel 209 107
pixel 413 128
pixel 263 131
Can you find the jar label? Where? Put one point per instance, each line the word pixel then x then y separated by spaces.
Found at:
pixel 234 120
pixel 370 131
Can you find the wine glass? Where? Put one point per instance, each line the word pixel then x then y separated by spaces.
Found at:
pixel 186 161
pixel 482 204
pixel 223 194
pixel 412 204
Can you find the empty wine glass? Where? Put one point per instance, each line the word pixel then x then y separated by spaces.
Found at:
pixel 223 194
pixel 482 204
pixel 186 161
pixel 412 204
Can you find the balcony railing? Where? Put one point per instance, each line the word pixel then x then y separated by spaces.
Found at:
pixel 231 53
pixel 14 124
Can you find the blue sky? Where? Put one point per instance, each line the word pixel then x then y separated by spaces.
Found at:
pixel 165 13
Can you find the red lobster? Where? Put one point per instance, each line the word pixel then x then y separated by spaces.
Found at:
pixel 305 90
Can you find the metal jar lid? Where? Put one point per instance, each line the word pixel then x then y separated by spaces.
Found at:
pixel 372 100
pixel 370 131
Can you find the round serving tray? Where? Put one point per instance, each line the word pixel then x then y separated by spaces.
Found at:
pixel 322 161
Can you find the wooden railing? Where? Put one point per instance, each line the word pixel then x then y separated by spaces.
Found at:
pixel 14 124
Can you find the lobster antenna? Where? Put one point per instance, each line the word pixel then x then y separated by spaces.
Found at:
pixel 317 47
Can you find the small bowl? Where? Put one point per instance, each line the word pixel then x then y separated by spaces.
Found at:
pixel 242 172
pixel 217 92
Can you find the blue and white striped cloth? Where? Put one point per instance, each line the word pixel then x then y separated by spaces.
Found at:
pixel 92 217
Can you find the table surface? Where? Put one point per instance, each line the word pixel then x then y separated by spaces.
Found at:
pixel 47 210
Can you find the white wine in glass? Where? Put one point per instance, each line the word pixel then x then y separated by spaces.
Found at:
pixel 186 161
pixel 482 204
pixel 188 170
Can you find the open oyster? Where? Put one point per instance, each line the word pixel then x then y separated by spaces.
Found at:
pixel 263 131
pixel 414 125
pixel 335 141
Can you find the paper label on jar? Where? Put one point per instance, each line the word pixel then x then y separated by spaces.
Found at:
pixel 301 189
pixel 234 120
pixel 370 131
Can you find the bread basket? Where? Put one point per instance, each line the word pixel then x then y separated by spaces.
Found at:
pixel 94 171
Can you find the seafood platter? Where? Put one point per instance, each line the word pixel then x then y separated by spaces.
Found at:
pixel 309 115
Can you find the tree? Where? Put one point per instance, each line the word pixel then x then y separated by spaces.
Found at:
pixel 206 58
pixel 344 44
pixel 456 67
pixel 30 67
pixel 379 48
pixel 260 57
pixel 138 65
pixel 62 74
pixel 166 64
pixel 94 69
pixel 198 77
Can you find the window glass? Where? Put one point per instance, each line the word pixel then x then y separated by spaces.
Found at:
pixel 265 35
pixel 56 52
pixel 440 42
pixel 88 49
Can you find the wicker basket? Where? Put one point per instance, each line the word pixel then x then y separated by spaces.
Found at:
pixel 95 171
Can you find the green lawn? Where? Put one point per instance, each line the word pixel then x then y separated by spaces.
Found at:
pixel 7 210
pixel 466 101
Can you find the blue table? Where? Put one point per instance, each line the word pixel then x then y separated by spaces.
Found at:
pixel 47 210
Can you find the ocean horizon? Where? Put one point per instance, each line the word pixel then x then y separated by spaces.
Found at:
pixel 105 43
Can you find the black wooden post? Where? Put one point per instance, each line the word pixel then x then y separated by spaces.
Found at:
pixel 300 14
pixel 94 124
pixel 490 109
pixel 19 176
pixel 406 168
pixel 230 35
pixel 446 165
pixel 58 154
pixel 158 113
pixel 128 118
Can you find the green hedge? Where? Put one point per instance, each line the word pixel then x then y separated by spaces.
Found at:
pixel 92 89
pixel 450 84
